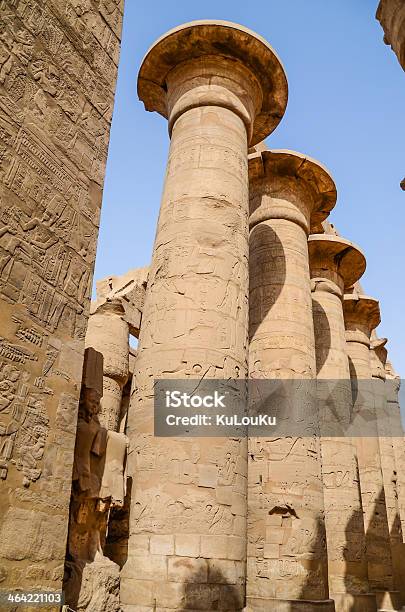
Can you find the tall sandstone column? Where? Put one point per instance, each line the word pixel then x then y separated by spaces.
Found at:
pixel 221 88
pixel 362 315
pixel 398 439
pixel 108 333
pixel 58 70
pixel 337 264
pixel 114 316
pixel 386 422
pixel 287 562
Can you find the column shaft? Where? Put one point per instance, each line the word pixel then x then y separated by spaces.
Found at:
pixel 108 333
pixel 334 263
pixel 194 325
pixel 361 317
pixel 385 422
pixel 287 562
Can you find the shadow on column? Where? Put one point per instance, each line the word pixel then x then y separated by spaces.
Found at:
pixel 267 273
pixel 116 547
pixel 378 550
pixel 216 594
pixel 398 557
pixel 355 553
pixel 321 323
pixel 312 592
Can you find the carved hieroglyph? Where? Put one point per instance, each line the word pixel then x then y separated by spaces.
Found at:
pixel 362 316
pixel 58 66
pixel 287 563
pixel 336 264
pixel 221 88
pixel 91 580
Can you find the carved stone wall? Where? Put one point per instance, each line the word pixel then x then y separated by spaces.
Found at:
pixel 58 67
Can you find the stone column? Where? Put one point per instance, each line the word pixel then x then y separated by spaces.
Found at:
pixel 385 424
pixel 337 264
pixel 362 315
pixel 398 438
pixel 287 561
pixel 221 88
pixel 108 333
pixel 114 315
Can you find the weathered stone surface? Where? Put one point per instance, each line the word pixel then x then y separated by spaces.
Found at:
pixel 325 517
pixel 335 265
pixel 98 485
pixel 391 15
pixel 58 67
pixel 115 314
pixel 362 315
pixel 288 194
pixel 387 425
pixel 221 88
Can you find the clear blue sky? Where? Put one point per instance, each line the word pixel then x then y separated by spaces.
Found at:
pixel 346 108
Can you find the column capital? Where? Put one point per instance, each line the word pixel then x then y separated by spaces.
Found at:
pixel 362 315
pixel 379 357
pixel 210 52
pixel 336 260
pixel 302 190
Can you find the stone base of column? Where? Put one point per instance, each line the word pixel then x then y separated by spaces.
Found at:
pixel 388 601
pixel 345 602
pixel 254 604
pixel 152 595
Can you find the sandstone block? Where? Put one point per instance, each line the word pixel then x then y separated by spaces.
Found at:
pixel 187 545
pixel 186 569
pixel 221 571
pixel 236 548
pixel 224 495
pixel 207 476
pixel 162 545
pixel 143 589
pixel 150 567
pixel 213 546
pixel 141 544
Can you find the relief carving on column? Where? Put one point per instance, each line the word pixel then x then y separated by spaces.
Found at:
pixel 98 486
pixel 114 316
pixel 58 67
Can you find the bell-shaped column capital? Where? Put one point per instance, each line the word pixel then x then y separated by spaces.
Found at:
pixel 335 259
pixel 362 315
pixel 379 356
pixel 301 189
pixel 215 63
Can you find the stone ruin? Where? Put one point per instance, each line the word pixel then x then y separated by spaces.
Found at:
pixel 247 279
pixel 391 15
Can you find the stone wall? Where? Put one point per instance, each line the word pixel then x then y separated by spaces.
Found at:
pixel 58 68
pixel 391 15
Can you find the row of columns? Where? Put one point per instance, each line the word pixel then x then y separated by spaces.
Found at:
pixel 313 539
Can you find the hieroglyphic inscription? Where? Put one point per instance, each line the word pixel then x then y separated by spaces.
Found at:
pixel 58 66
pixel 24 420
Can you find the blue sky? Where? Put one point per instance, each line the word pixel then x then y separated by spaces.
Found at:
pixel 346 108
